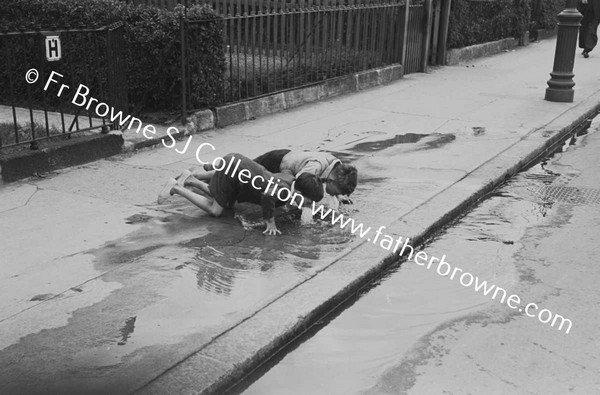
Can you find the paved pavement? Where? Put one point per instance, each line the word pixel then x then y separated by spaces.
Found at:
pixel 103 290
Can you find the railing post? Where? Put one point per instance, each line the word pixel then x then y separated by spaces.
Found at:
pixel 182 28
pixel 444 23
pixel 405 34
pixel 435 32
pixel 427 37
pixel 560 86
pixel 111 71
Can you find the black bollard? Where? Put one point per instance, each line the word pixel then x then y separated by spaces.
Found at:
pixel 560 86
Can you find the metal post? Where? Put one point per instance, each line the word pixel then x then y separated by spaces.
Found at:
pixel 560 86
pixel 182 30
pixel 405 34
pixel 444 24
pixel 435 34
pixel 111 72
pixel 427 39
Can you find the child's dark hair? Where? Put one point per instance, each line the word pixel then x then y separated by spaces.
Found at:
pixel 345 177
pixel 309 186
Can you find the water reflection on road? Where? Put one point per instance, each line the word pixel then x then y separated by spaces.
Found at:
pixel 348 352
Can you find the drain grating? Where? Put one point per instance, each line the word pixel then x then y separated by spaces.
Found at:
pixel 571 195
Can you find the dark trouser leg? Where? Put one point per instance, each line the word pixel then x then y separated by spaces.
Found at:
pixel 585 21
pixel 591 38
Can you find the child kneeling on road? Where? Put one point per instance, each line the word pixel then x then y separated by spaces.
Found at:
pixel 339 179
pixel 243 180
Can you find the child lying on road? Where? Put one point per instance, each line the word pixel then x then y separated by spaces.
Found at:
pixel 247 182
pixel 339 178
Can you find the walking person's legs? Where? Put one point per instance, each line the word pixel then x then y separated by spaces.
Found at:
pixel 592 35
pixel 583 28
pixel 588 36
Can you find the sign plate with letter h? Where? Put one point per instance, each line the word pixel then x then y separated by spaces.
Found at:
pixel 53 48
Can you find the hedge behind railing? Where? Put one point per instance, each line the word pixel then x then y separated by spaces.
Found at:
pixel 480 21
pixel 544 12
pixel 477 21
pixel 152 39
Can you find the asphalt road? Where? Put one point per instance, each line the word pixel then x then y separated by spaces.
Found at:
pixel 417 332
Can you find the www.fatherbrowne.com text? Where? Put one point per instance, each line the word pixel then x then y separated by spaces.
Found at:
pixel 442 267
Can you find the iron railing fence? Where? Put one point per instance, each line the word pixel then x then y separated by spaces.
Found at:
pixel 273 52
pixel 91 57
pixel 417 38
pixel 243 7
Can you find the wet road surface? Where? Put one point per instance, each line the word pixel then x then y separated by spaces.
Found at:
pixel 417 332
pixel 147 287
pixel 85 305
pixel 162 284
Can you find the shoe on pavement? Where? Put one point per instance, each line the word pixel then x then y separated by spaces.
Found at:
pixel 586 53
pixel 165 193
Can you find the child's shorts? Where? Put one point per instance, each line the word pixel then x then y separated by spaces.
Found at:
pixel 224 189
pixel 272 160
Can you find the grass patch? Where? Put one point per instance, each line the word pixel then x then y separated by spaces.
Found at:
pixel 24 132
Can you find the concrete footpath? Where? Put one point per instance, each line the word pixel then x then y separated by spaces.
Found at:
pixel 104 291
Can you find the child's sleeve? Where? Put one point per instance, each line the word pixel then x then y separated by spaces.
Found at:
pixel 268 206
pixel 312 167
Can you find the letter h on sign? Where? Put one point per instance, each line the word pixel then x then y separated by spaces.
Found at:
pixel 53 49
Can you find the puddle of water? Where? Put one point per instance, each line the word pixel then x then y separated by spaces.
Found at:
pixel 369 146
pixel 432 141
pixel 127 330
pixel 223 247
pixel 210 265
pixel 138 218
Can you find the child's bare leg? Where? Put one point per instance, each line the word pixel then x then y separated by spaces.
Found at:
pixel 209 205
pixel 194 182
pixel 167 191
pixel 203 175
pixel 198 200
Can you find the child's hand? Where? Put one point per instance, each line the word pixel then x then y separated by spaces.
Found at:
pixel 271 228
pixel 345 200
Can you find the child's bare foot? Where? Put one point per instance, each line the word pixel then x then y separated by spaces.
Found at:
pixel 182 177
pixel 165 193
